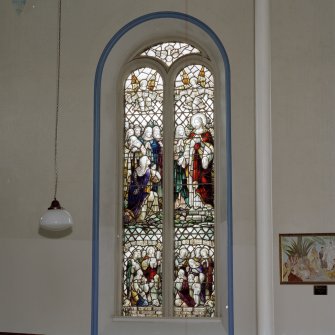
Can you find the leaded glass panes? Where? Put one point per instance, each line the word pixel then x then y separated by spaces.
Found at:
pixel 170 52
pixel 143 193
pixel 194 193
pixel 189 187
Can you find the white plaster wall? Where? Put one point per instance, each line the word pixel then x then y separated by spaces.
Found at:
pixel 45 282
pixel 303 122
pixel 44 286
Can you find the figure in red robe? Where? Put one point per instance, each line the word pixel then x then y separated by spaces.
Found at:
pixel 200 155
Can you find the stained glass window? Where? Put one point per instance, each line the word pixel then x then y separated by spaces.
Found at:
pixel 190 170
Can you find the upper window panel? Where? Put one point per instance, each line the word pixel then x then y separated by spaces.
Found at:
pixel 169 52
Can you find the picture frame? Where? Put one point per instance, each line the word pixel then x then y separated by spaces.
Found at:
pixel 307 258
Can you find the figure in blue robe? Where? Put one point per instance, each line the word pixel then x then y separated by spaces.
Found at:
pixel 138 191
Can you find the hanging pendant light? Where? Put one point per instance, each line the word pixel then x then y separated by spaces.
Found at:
pixel 57 218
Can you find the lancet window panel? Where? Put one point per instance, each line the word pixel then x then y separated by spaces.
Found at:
pixel 194 193
pixel 143 193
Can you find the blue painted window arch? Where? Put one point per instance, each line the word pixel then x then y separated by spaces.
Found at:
pixel 96 158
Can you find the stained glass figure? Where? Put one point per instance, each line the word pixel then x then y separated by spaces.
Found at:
pixel 194 277
pixel 169 52
pixel 143 193
pixel 194 193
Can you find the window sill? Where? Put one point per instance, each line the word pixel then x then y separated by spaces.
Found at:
pixel 166 319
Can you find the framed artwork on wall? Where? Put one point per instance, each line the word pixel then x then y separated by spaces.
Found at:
pixel 307 258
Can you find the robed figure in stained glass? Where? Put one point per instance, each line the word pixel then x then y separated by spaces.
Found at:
pixel 157 156
pixel 181 193
pixel 142 200
pixel 183 297
pixel 200 154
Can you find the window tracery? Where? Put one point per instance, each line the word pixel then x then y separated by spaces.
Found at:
pixel 169 52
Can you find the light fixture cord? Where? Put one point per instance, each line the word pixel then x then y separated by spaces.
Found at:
pixel 57 97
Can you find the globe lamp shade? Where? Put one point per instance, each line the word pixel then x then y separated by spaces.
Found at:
pixel 56 218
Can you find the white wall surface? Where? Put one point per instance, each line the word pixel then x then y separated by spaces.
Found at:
pixel 303 122
pixel 45 282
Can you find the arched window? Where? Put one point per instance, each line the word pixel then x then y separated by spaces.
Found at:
pixel 168 183
pixel 123 55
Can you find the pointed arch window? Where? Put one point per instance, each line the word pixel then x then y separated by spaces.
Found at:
pixel 169 184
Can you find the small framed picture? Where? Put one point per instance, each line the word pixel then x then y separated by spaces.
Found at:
pixel 307 258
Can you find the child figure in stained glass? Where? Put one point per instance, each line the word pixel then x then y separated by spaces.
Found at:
pixel 139 290
pixel 142 200
pixel 196 268
pixel 155 291
pixel 150 264
pixel 196 288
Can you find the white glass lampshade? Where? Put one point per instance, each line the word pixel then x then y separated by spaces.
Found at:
pixel 56 218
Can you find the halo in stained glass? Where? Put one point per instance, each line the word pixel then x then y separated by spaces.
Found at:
pixel 169 52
